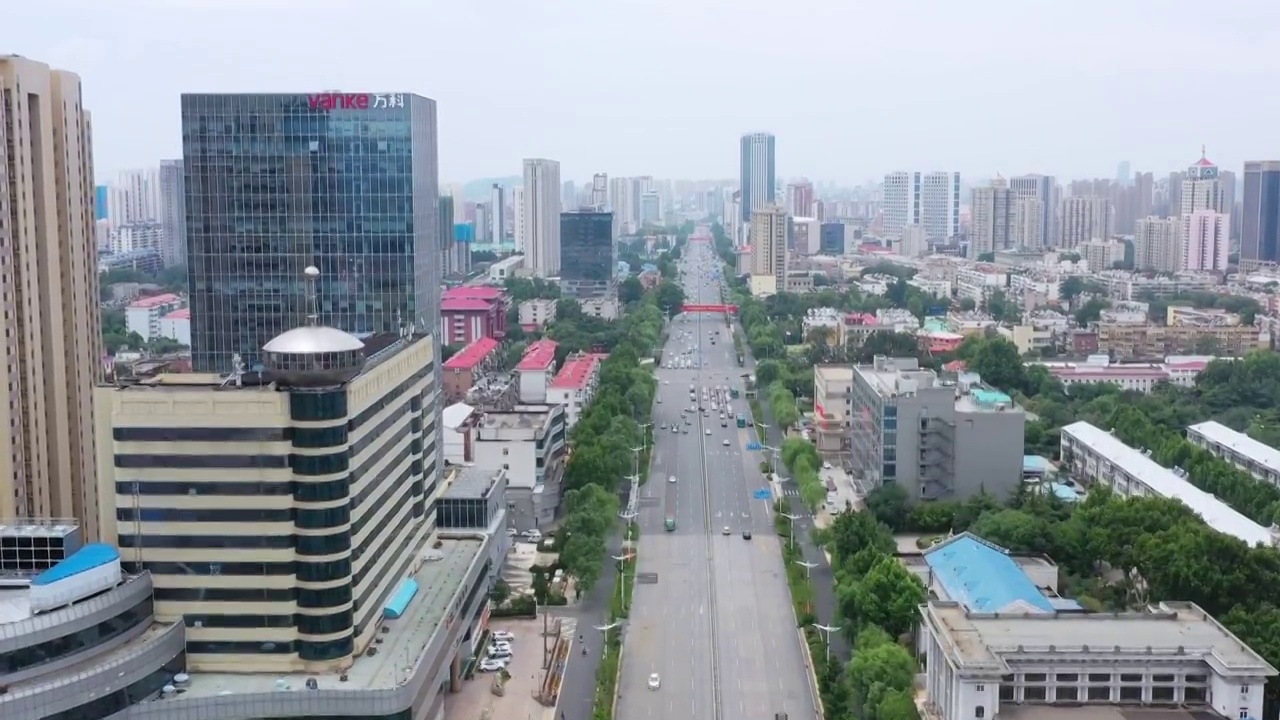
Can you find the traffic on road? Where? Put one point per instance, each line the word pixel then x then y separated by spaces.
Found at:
pixel 711 633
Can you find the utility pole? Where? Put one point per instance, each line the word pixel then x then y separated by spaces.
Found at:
pixel 826 631
pixel 606 628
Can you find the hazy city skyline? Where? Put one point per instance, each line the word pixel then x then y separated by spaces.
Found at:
pixel 981 88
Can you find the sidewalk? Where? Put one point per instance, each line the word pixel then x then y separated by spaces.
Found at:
pixel 578 690
pixel 824 588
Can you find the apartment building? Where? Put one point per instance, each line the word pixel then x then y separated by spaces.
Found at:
pixel 143 316
pixel 575 385
pixel 48 296
pixel 528 443
pixel 1084 219
pixel 832 406
pixel 536 370
pixel 1092 455
pixel 536 313
pixel 1157 341
pixel 461 372
pixel 938 440
pixel 768 251
pixel 1258 459
pixel 1157 244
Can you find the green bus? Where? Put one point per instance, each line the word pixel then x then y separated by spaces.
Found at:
pixel 671 523
pixel 733 393
pixel 742 420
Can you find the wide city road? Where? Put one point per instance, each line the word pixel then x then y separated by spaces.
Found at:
pixel 717 625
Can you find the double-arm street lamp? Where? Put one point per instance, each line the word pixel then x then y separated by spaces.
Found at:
pixel 826 631
pixel 791 529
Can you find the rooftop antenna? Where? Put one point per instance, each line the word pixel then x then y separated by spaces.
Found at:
pixel 313 304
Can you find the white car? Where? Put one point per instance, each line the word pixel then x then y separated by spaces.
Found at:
pixel 708 431
pixel 500 646
pixel 491 665
pixel 503 636
pixel 496 654
pixel 725 442
pixel 512 532
pixel 671 479
pixel 532 535
pixel 655 682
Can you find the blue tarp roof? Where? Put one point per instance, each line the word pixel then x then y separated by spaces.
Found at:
pixel 86 558
pixel 400 599
pixel 982 577
pixel 1036 463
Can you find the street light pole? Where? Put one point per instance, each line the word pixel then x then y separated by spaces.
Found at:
pixel 826 631
pixel 606 628
pixel 791 529
pixel 622 559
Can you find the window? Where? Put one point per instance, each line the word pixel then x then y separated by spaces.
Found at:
pixel 1033 693
pixel 980 712
pixel 1130 693
pixel 1035 677
pixel 1066 693
pixel 1194 695
pixel 1130 677
pixel 1067 677
pixel 1100 693
pixel 506 451
pixel 1244 713
pixel 1244 689
pixel 1162 693
pixel 1099 677
pixel 1166 679
pixel 980 688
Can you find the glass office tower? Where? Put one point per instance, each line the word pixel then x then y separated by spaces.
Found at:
pixel 276 182
pixel 588 257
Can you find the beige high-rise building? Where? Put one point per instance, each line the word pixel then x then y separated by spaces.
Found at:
pixel 49 292
pixel 1027 227
pixel 992 214
pixel 1157 244
pixel 769 250
pixel 1084 219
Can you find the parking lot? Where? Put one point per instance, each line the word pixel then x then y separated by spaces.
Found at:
pixel 518 702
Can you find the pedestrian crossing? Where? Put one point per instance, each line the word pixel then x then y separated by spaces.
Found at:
pixel 790 492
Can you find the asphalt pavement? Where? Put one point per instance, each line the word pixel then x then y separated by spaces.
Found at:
pixel 711 614
pixel 821 578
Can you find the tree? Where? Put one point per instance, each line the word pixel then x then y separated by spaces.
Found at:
pixel 878 670
pixel 888 503
pixel 887 597
pixel 852 532
pixel 630 290
pixel 999 364
pixel 670 297
pixel 967 304
pixel 1071 288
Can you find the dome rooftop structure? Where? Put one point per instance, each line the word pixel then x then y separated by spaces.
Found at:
pixel 313 339
pixel 313 355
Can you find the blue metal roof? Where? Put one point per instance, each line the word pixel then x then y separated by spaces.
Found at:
pixel 86 558
pixel 981 576
pixel 400 599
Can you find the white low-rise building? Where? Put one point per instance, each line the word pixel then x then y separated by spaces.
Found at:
pixel 529 444
pixel 177 326
pixel 1015 665
pixel 1093 455
pixel 1258 459
pixel 537 313
pixel 143 315
pixel 575 385
pixel 506 268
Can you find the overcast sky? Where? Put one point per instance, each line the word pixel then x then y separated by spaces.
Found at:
pixel 851 88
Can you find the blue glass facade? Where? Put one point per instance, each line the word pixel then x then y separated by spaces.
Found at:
pixel 588 257
pixel 277 182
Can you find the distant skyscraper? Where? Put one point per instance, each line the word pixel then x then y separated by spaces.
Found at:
pixel 588 256
pixel 636 188
pixel 931 200
pixel 448 253
pixel 484 226
pixel 520 232
pixel 800 198
pixel 600 192
pixel 1205 236
pixel 568 195
pixel 52 353
pixel 1260 215
pixel 758 177
pixel 619 204
pixel 498 214
pixel 1084 219
pixel 991 218
pixel 650 209
pixel 1026 229
pixel 134 197
pixel 769 250
pixel 1045 189
pixel 287 186
pixel 1201 189
pixel 542 216
pixel 1156 244
pixel 1123 176
pixel 173 212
